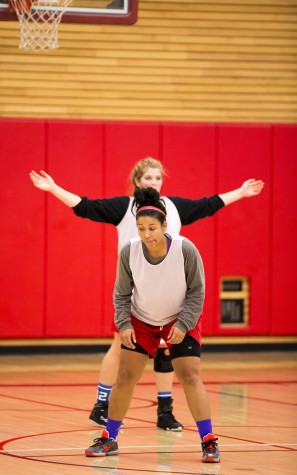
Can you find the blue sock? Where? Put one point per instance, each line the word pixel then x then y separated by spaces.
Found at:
pixel 103 392
pixel 204 427
pixel 165 394
pixel 113 428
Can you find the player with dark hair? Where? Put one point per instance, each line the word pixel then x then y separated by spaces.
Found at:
pixel 159 294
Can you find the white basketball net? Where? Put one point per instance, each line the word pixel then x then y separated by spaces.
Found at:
pixel 39 25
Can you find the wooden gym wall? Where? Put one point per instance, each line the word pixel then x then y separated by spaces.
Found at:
pixel 214 60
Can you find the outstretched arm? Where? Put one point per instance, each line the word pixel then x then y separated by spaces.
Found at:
pixel 46 183
pixel 249 188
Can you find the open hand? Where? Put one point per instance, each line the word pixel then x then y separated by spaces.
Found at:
pixel 252 187
pixel 43 181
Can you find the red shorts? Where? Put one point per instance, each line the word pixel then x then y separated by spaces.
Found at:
pixel 115 329
pixel 149 336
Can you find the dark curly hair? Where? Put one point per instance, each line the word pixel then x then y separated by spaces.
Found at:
pixel 149 197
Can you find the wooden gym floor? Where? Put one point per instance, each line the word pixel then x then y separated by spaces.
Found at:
pixel 45 401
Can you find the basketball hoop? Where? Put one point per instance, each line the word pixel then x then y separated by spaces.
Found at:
pixel 39 21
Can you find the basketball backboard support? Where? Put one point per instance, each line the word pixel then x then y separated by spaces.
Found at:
pixel 89 11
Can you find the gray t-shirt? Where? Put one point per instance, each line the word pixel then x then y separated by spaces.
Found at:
pixel 194 294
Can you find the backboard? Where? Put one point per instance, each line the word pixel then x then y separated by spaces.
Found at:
pixel 89 11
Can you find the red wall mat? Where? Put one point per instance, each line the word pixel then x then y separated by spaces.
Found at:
pixel 75 281
pixel 284 230
pixel 22 230
pixel 126 143
pixel 189 157
pixel 59 270
pixel 243 229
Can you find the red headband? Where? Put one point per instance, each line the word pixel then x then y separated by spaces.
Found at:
pixel 152 208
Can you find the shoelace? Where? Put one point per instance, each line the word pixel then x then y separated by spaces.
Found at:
pixel 100 440
pixel 210 445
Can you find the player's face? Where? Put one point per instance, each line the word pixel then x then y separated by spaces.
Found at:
pixel 152 178
pixel 151 232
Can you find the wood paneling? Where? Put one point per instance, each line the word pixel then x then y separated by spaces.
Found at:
pixel 221 60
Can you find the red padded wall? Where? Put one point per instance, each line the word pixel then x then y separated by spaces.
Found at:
pixel 190 160
pixel 244 227
pixel 74 245
pixel 126 143
pixel 22 230
pixel 284 227
pixel 59 270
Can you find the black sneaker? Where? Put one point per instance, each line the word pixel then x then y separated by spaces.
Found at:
pixel 166 419
pixel 103 446
pixel 99 413
pixel 210 449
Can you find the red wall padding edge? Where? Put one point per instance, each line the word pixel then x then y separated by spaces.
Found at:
pixel 283 242
pixel 22 229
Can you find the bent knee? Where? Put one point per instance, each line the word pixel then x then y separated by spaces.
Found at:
pixel 189 376
pixel 126 377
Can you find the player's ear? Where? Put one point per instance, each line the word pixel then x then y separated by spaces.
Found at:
pixel 164 226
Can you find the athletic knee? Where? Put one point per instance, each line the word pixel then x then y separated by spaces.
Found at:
pixel 188 376
pixel 126 376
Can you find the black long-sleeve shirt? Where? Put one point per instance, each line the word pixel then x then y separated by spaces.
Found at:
pixel 113 210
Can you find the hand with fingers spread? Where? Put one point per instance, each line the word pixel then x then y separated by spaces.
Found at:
pixel 43 181
pixel 249 188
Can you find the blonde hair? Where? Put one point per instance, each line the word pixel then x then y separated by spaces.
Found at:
pixel 140 168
